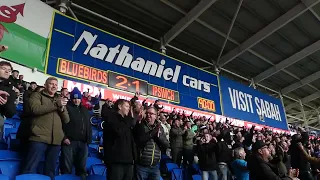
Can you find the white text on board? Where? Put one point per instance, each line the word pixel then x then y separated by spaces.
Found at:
pixel 243 102
pixel 122 58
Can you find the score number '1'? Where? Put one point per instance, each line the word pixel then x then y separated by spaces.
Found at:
pixel 124 83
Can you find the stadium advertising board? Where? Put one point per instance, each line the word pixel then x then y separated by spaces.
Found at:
pixel 245 103
pixel 80 52
pixel 112 94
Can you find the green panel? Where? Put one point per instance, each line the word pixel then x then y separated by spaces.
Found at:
pixel 25 47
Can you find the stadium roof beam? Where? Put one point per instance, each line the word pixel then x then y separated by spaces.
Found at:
pixel 268 30
pixel 304 100
pixel 287 62
pixel 192 15
pixel 301 83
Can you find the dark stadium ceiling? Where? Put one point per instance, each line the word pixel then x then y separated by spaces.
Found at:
pixel 273 43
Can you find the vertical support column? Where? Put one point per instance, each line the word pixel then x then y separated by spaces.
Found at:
pixel 285 113
pixel 306 125
pixel 253 84
pixel 162 46
pixel 64 6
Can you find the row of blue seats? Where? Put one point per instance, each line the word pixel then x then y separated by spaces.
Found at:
pixel 10 162
pixel 60 177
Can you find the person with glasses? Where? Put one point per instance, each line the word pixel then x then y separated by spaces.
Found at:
pixel 261 169
pixel 150 140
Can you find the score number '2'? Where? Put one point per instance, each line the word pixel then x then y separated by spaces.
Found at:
pixel 124 83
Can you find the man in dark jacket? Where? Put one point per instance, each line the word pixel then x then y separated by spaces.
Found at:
pixel 224 154
pixel 14 78
pixel 118 142
pixel 78 134
pixel 298 160
pixel 24 130
pixel 206 150
pixel 7 94
pixel 31 89
pixel 259 166
pixel 150 139
pixel 176 141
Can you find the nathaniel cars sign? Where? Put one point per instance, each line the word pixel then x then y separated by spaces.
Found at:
pixel 84 53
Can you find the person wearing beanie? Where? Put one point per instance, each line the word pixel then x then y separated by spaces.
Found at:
pixel 78 134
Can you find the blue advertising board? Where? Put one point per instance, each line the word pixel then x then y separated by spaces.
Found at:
pixel 80 52
pixel 245 103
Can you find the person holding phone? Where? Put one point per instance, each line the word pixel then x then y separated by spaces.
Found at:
pixel 7 94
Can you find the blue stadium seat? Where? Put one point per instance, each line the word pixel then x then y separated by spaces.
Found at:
pixel 92 161
pixel 32 177
pixel 16 116
pixel 19 107
pixel 9 155
pixel 100 134
pixel 177 174
pixel 94 120
pixel 171 166
pixel 9 131
pixel 96 177
pixel 6 126
pixel 3 146
pixel 67 177
pixel 4 177
pixel 95 134
pixel 196 177
pixel 161 178
pixel 101 141
pixel 18 124
pixel 93 146
pixel 100 125
pixel 13 142
pixel 12 121
pixel 98 169
pixel 10 168
pixel 196 168
pixel 94 154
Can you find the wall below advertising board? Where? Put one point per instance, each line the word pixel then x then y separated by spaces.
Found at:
pixel 29 75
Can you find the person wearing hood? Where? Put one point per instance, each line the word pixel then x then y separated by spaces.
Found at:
pixel 74 151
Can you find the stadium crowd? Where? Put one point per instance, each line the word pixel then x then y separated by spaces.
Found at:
pixel 137 135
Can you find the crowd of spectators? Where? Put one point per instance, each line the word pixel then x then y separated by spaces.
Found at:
pixel 137 135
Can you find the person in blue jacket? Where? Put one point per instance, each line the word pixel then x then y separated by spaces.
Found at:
pixel 239 165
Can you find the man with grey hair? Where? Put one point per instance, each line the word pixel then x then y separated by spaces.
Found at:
pixel 239 165
pixel 48 114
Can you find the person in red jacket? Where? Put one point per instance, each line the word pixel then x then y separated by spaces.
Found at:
pixel 85 101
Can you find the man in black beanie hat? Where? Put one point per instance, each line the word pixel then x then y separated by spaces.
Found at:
pixel 78 134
